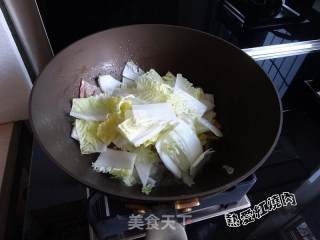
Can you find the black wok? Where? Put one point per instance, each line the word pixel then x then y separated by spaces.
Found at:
pixel 246 102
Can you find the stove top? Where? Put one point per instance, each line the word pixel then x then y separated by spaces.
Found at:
pixel 116 227
pixel 109 217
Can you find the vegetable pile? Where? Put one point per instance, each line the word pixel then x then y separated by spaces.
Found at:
pixel 143 125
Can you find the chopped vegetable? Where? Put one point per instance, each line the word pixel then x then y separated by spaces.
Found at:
pixel 179 149
pixel 146 189
pixel 146 158
pixel 87 135
pixel 128 83
pixel 138 132
pixel 132 71
pixel 208 100
pixel 107 130
pixel 169 79
pixel 209 115
pixel 95 108
pixel 229 170
pixel 145 125
pixel 200 162
pixel 150 75
pixel 208 126
pixel 131 180
pixel 74 134
pixel 152 89
pixel 91 109
pixel 123 143
pixel 186 86
pixel 107 84
pixel 184 103
pixel 118 163
pixel 156 111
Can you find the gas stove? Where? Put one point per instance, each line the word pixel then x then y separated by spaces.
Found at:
pixel 109 217
pixel 286 47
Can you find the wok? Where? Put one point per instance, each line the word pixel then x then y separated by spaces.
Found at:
pixel 246 101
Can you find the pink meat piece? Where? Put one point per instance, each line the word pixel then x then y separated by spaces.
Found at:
pixel 88 89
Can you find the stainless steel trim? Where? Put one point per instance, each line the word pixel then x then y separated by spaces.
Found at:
pixel 106 203
pixel 283 50
pixel 289 8
pixel 210 213
pixel 87 192
pixel 44 28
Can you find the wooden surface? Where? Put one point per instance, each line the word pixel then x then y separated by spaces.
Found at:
pixel 6 131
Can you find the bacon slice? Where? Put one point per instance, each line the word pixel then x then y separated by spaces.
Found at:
pixel 88 89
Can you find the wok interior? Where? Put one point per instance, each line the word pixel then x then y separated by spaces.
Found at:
pixel 246 103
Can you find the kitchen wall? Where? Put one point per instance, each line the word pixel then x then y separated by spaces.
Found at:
pixel 15 83
pixel 29 28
